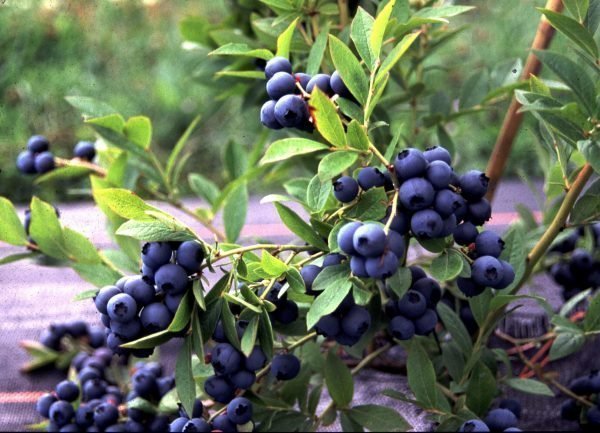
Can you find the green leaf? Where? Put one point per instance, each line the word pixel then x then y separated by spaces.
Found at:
pixel 179 146
pixel 63 173
pixel 138 129
pixel 155 231
pixel 565 344
pixel 16 257
pixel 182 316
pixel 11 230
pixel 335 163
pixel 149 341
pixel 318 193
pixel 255 75
pixel 141 404
pixel 80 248
pixel 480 306
pixel 349 69
pixel 455 327
pixel 327 302
pixel 577 8
pixel 378 418
pixel 447 265
pixel 234 212
pixel 327 121
pixel 317 51
pixel 186 387
pixel 361 29
pixel 481 390
pixel 249 337
pixel 204 188
pixel 573 30
pixel 587 207
pixel 395 55
pixel 339 380
pixel 284 41
pixel 357 136
pixel 124 203
pixel 272 265
pixel 229 327
pixel 46 230
pixel 299 227
pixel 515 252
pixel 265 334
pixel 371 206
pixel 400 282
pixel 381 22
pixel 421 375
pixel 592 317
pixel 90 107
pixel 474 90
pixel 331 277
pixel 530 386
pixel 591 151
pixel 454 360
pixel 282 150
pixel 233 49
pixel 236 161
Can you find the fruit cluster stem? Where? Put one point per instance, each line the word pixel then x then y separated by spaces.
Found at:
pixel 76 162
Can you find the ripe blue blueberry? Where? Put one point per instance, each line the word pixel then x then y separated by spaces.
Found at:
pixel 508 275
pixel 140 290
pixel 243 379
pixel 358 266
pixel 76 329
pixel 105 415
pixel 309 274
pixel 38 144
pixel 439 174
pixel 256 360
pixel 479 212
pixel 148 274
pixel 144 383
pixel 303 79
pixel 416 273
pixel 370 177
pixel 196 425
pixel 239 411
pixel 383 266
pixel 219 389
pixel 369 240
pixel 223 424
pixel 401 328
pixel 513 405
pixel 61 413
pixel 338 86
pixel 178 423
pixel 448 226
pixel 487 271
pixel 281 84
pixel 285 367
pixel 85 150
pixel 156 254
pixel 570 410
pixel 500 419
pixel 71 428
pixel 291 111
pixel 287 313
pixel 267 115
pixel 128 331
pixel 394 242
pixel 67 390
pixel 465 233
pixel 322 82
pixel 400 223
pixel 581 262
pixel 43 404
pixel 273 295
pixel 416 194
pixel 172 279
pixel 190 255
pixel 489 243
pixel 226 359
pixel 94 388
pixel 44 162
pixel 155 317
pixel 121 308
pixel 328 326
pixel 132 426
pixel 333 259
pixel 474 426
pixel 412 305
pixel 89 373
pixel 473 185
pixel 425 324
pixel 277 64
pixel 356 321
pixel 345 189
pixel 346 235
pixel 84 417
pixel 437 153
pixel 410 163
pixel 426 224
pixel 468 287
pixel 429 288
pixel 26 162
pixel 173 301
pixel 447 202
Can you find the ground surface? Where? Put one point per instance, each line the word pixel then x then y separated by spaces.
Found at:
pixel 32 297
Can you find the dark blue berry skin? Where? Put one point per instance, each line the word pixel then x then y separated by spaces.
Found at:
pixel 570 411
pixel 370 177
pixel 369 240
pixel 285 367
pixel 437 153
pixel 38 144
pixel 287 313
pixel 61 413
pixel 439 174
pixel 121 282
pixel 468 287
pixel 134 427
pixel 448 226
pixel 43 404
pixel 196 425
pixel 121 308
pixel 309 274
pixel 26 162
pixel 172 302
pixel 382 267
pixel 177 424
pixel 219 389
pixel 394 242
pixel 346 340
pixel 155 317
pixel 416 194
pixel 513 405
pixel 85 150
pixel 89 373
pixel 105 415
pixel 291 111
pixel 581 262
pixel 358 266
pixel 581 386
pixel 447 202
pixel 345 189
pixel 356 321
pixel 465 233
pixel 479 212
pixel 222 423
pixel 50 340
pixel 410 163
pixel 412 305
pixel 426 224
pixel 400 223
pixel 190 256
pixel 67 390
pixel 416 273
pixel 104 295
pixel 333 259
pixel 489 243
pixel 486 271
pixel 500 419
pixel 171 279
pixel 401 328
pixel 429 288
pixel 273 295
pixel 508 275
pixel 267 115
pixel 338 86
pixel 140 290
pixel 165 384
pixel 144 383
pixel 94 388
pixel 156 254
pixel 219 333
pixel 328 326
pixel 243 379
pixel 128 331
pixel 281 84
pixel 84 417
pixel 473 185
pixel 346 235
pixel 303 79
pixel 475 426
pixel 239 411
pixel 256 360
pixel 226 359
pixel 71 428
pixel 44 162
pixel 425 324
pixel 277 64
pixel 322 81
pixel 76 329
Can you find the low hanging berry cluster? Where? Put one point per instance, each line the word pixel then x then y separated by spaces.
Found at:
pixel 503 419
pixel 56 336
pixel 587 387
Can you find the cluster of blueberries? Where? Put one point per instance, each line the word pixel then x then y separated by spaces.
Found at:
pixel 138 306
pixel 414 313
pixel 584 386
pixel 286 310
pixel 576 269
pixel 38 159
pixel 53 337
pixel 503 419
pixel 487 269
pixel 237 413
pixel 288 107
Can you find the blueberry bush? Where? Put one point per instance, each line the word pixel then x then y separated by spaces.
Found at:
pixel 389 250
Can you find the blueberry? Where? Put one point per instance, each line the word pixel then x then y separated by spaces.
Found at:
pixel 369 240
pixel 171 279
pixel 190 255
pixel 76 329
pixel 61 413
pixel 127 331
pixel 412 305
pixel 105 320
pixel 38 144
pixel 303 79
pixel 356 321
pixel 416 273
pixel 338 86
pixel 428 288
pixel 487 271
pixel 50 340
pixel 285 367
pixel 400 223
pixel 468 287
pixel 71 428
pixel 132 426
pixel 426 323
pixel 346 235
pixel 84 416
pixel 120 284
pixel 309 274
pixel 287 313
pixel 567 244
pixel 219 333
pixel 513 405
pixel 121 308
pixel 67 390
pixel 479 212
pixel 410 163
pixel 426 224
pixel 346 340
pixel 358 266
pixel 256 360
pixel 165 384
pixel 581 262
pixel 94 388
pixel 581 385
pixel 508 275
pixel 26 162
pixel 401 328
pixel 439 174
pixel 382 267
pixel 144 383
pixel 345 189
pixel 370 177
pixel 277 64
pixel 89 373
pixel 155 317
pixel 156 254
pixel 333 259
pixel 328 326
pixel 322 81
pixel 465 233
pixel 105 415
pixel 178 423
pixel 219 389
pixel 267 115
pixel 489 243
pixel 85 150
pixel 473 185
pixel 43 404
pixel 239 411
pixel 416 194
pixel 243 379
pixel 500 419
pixel 474 426
pixel 226 359
pixel 448 226
pixel 281 84
pixel 394 242
pixel 437 153
pixel 561 272
pixel 448 202
pixel 291 111
pixel 570 410
pixel 196 425
pixel 223 424
pixel 173 301
pixel 142 292
pixel 467 317
pixel 273 295
pixel 44 162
